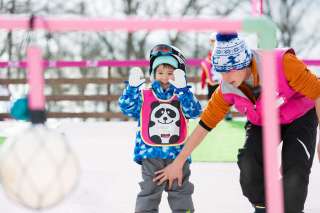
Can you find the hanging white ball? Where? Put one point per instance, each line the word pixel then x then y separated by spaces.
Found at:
pixel 37 167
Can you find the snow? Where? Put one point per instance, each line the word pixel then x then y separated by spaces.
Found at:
pixel 109 178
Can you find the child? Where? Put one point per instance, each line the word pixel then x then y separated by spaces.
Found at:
pixel 299 110
pixel 162 112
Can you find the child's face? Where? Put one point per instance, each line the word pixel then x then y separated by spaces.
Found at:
pixel 163 74
pixel 236 77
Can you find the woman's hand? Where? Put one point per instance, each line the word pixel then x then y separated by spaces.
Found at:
pixel 174 170
pixel 169 173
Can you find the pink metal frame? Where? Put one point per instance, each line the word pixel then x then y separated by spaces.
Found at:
pixel 257 7
pixel 91 63
pixel 274 196
pixel 35 77
pixel 195 62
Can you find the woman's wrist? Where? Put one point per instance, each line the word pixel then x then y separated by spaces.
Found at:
pixel 181 159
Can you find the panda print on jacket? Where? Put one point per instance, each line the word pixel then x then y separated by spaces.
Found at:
pixel 164 125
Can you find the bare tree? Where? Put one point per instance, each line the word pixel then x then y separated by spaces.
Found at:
pixel 291 17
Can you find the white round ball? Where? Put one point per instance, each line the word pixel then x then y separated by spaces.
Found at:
pixel 37 167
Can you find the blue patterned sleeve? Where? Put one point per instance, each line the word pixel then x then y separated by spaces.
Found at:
pixel 130 102
pixel 190 105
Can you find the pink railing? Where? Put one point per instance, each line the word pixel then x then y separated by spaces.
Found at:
pixel 194 62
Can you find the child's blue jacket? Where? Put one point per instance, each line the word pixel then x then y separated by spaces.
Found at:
pixel 130 104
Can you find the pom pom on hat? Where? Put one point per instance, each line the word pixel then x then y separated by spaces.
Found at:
pixel 226 37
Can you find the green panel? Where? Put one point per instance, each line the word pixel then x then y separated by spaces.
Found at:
pixel 2 139
pixel 265 29
pixel 221 144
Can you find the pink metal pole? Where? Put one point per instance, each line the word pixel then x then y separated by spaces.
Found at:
pixel 194 62
pixel 270 121
pixel 130 24
pixel 35 78
pixel 254 7
pixel 257 7
pixel 271 135
pixel 312 62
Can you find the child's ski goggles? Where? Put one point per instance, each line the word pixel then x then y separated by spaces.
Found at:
pixel 163 50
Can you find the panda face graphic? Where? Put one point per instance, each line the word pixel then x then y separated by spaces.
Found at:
pixel 165 114
pixel 164 124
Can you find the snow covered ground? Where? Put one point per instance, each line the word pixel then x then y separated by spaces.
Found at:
pixel 109 178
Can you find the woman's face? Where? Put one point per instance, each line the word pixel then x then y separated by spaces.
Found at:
pixel 236 77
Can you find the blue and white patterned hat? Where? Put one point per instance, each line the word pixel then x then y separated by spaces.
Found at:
pixel 230 53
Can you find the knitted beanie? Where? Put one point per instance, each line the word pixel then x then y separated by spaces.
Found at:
pixel 230 53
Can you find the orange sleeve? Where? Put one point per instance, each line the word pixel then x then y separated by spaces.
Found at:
pixel 215 110
pixel 300 78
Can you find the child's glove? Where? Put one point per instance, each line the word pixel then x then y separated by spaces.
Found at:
pixel 180 81
pixel 136 77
